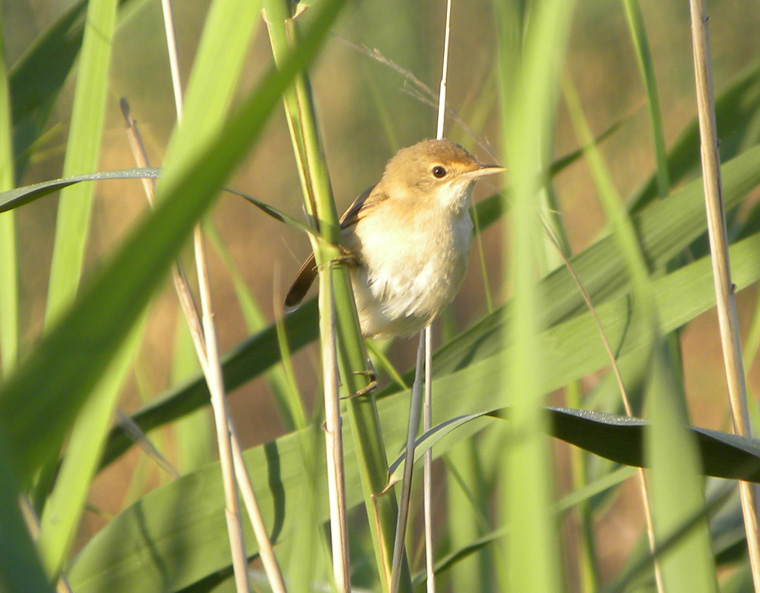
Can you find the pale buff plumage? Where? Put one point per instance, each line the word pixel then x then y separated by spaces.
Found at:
pixel 410 237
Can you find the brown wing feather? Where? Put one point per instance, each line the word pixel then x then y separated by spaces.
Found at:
pixel 301 284
pixel 308 272
pixel 351 216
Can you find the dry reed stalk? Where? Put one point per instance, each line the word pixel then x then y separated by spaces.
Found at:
pixel 336 483
pixel 192 317
pixel 213 366
pixel 203 331
pixel 724 287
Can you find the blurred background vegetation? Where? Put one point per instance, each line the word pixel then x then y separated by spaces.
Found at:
pixel 367 110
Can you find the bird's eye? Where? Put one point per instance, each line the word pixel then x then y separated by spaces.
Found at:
pixel 439 172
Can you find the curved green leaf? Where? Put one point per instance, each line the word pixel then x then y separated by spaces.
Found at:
pixel 736 113
pixel 176 535
pixel 617 438
pixel 19 196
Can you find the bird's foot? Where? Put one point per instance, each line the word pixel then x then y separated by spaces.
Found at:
pixel 371 374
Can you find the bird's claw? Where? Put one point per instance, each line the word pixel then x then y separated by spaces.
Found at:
pixel 345 258
pixel 371 374
pixel 369 388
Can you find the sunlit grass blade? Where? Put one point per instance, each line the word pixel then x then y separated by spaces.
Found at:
pixel 644 56
pixel 65 505
pixel 69 360
pixel 9 271
pixel 82 153
pixel 531 50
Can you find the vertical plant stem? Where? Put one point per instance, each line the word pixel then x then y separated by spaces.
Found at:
pixel 530 52
pixel 190 311
pixel 213 366
pixel 216 387
pixel 9 273
pixel 643 53
pixel 333 439
pixel 444 73
pixel 427 476
pixel 406 482
pixel 724 288
pixel 171 43
pixel 427 483
pixel 362 411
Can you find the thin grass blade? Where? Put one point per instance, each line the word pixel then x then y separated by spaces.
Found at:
pixel 9 272
pixel 82 153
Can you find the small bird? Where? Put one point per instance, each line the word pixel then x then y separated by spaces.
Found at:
pixel 408 239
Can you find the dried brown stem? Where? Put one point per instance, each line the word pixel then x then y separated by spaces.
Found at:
pixel 724 287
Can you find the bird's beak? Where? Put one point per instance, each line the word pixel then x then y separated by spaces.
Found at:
pixel 483 171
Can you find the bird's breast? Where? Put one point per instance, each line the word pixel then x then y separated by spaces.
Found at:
pixel 411 266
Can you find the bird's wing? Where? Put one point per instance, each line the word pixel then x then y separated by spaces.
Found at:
pixel 366 199
pixel 302 283
pixel 308 272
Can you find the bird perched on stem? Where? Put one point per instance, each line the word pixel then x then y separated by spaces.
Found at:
pixel 408 238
